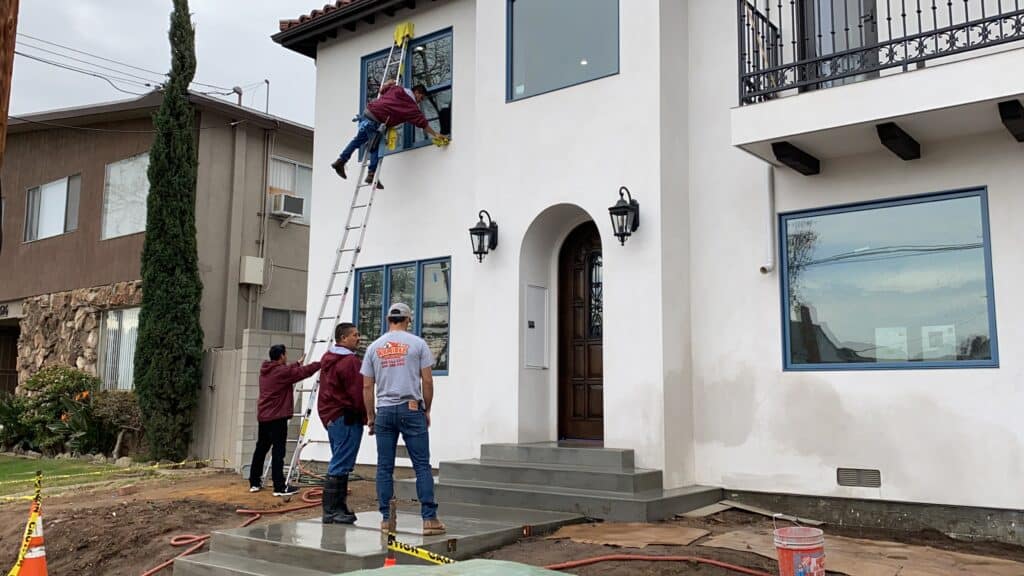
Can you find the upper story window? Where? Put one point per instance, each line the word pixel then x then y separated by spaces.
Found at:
pixel 898 284
pixel 279 320
pixel 425 286
pixel 553 45
pixel 293 178
pixel 52 209
pixel 125 191
pixel 428 62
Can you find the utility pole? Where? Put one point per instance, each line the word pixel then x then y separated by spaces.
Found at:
pixel 8 30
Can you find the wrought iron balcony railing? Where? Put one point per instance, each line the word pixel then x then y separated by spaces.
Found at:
pixel 799 45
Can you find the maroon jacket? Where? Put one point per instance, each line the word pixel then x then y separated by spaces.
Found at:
pixel 276 381
pixel 395 106
pixel 341 386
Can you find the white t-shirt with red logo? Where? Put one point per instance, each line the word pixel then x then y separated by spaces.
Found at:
pixel 394 360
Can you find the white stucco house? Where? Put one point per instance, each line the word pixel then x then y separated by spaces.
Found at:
pixel 830 195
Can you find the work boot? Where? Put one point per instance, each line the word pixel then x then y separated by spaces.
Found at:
pixel 369 180
pixel 339 167
pixel 433 526
pixel 343 496
pixel 335 509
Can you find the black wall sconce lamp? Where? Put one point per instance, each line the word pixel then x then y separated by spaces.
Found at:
pixel 484 236
pixel 625 215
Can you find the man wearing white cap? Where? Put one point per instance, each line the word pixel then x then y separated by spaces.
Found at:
pixel 398 381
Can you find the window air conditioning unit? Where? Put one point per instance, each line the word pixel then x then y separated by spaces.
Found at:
pixel 287 205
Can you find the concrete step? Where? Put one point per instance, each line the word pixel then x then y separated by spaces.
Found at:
pixel 644 506
pixel 603 479
pixel 219 564
pixel 559 453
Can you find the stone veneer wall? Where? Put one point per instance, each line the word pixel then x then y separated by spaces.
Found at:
pixel 64 328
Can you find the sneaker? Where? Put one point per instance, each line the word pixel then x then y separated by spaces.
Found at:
pixel 339 167
pixel 255 488
pixel 288 491
pixel 369 180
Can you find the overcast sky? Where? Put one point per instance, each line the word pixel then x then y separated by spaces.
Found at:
pixel 233 48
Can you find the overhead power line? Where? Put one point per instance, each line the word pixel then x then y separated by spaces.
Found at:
pixel 55 53
pixel 118 62
pixel 88 73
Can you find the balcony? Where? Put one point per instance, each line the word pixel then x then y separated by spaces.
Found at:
pixel 825 73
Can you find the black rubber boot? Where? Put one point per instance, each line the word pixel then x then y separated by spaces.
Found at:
pixel 344 510
pixel 335 511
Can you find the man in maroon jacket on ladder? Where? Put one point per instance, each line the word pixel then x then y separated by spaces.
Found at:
pixel 395 106
pixel 340 405
pixel 275 407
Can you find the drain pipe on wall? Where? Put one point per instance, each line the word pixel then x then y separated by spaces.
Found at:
pixel 769 267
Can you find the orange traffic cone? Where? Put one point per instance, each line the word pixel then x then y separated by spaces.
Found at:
pixel 34 563
pixel 389 562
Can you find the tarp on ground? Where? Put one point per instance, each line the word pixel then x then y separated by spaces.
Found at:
pixel 467 568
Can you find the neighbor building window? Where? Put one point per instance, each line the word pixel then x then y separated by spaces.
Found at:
pixel 277 320
pixel 118 334
pixel 553 45
pixel 52 209
pixel 125 191
pixel 293 178
pixel 425 286
pixel 429 62
pixel 898 284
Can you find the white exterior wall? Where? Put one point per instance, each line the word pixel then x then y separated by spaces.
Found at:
pixel 950 436
pixel 572 148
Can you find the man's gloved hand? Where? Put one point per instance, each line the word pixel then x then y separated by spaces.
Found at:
pixel 441 141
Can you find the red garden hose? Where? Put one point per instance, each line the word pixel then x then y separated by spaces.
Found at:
pixel 627 557
pixel 312 498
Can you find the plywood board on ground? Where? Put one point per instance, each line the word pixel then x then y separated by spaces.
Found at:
pixel 858 557
pixel 706 511
pixel 765 512
pixel 630 534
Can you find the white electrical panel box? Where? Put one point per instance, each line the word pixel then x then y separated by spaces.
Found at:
pixel 251 271
pixel 537 327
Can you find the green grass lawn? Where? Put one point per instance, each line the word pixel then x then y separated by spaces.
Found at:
pixel 18 474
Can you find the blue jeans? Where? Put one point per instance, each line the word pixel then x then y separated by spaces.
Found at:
pixel 345 440
pixel 412 425
pixel 366 132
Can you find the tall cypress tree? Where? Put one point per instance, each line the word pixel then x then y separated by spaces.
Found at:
pixel 168 357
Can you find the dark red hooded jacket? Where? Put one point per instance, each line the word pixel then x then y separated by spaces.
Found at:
pixel 341 386
pixel 276 381
pixel 395 106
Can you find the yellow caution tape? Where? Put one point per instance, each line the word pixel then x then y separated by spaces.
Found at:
pixel 427 555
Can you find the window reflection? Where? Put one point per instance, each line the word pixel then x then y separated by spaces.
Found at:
pixel 889 284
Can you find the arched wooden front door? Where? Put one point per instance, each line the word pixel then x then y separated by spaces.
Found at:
pixel 580 336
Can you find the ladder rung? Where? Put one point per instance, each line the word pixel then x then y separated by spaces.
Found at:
pixel 354 206
pixel 336 294
pixel 353 227
pixel 349 250
pixel 345 271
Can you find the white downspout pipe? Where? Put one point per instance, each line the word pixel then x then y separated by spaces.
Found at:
pixel 769 267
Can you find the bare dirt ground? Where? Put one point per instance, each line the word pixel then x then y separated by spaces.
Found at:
pixel 97 530
pixel 542 552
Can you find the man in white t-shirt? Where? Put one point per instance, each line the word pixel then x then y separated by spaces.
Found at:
pixel 398 381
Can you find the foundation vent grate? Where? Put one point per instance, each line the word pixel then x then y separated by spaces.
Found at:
pixel 859 477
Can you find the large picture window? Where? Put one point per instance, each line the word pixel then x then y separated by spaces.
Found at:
pixel 899 284
pixel 52 209
pixel 428 62
pixel 554 45
pixel 125 191
pixel 425 286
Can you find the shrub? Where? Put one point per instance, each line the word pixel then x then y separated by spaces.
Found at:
pixel 50 394
pixel 118 412
pixel 13 431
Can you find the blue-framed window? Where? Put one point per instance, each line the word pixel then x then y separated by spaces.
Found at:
pixel 424 285
pixel 429 62
pixel 554 45
pixel 905 283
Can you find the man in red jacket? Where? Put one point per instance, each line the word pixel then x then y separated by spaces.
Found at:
pixel 395 106
pixel 273 410
pixel 340 405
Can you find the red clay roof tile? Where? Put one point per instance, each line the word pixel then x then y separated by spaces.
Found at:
pixel 327 9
